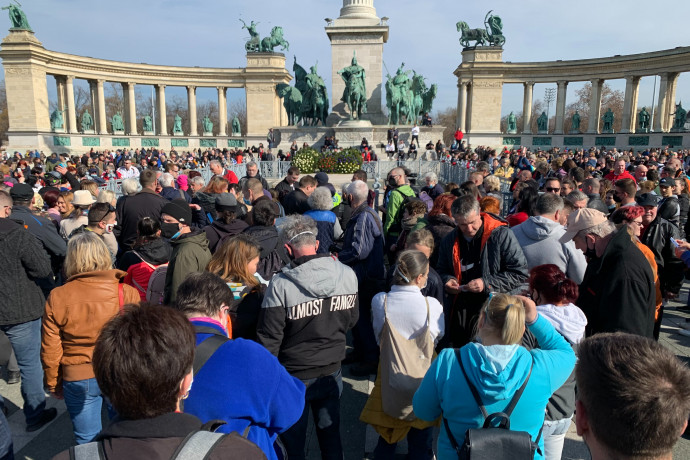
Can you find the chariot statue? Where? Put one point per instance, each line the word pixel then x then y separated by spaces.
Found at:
pixel 490 35
pixel 256 45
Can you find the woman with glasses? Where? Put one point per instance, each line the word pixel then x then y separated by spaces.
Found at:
pixel 74 315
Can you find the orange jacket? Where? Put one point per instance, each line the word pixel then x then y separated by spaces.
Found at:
pixel 490 224
pixel 649 255
pixel 74 316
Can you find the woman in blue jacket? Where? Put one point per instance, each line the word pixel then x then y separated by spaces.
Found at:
pixel 497 366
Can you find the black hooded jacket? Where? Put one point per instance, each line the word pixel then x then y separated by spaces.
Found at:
pixel 155 252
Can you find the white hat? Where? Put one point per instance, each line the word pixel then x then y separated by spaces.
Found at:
pixel 83 198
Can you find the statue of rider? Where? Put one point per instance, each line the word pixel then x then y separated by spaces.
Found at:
pixel 356 77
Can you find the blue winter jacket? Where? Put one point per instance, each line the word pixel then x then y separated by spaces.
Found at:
pixel 363 245
pixel 444 390
pixel 325 223
pixel 243 384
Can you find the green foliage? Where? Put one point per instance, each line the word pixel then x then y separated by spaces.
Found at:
pixel 344 162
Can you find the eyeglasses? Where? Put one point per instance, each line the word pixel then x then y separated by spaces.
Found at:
pixel 636 223
pixel 553 189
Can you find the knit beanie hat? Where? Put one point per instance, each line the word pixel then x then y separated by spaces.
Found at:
pixel 180 210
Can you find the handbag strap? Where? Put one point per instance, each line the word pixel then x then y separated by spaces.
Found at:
pixel 121 296
pixel 208 347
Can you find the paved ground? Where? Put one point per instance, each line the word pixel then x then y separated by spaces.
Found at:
pixel 358 439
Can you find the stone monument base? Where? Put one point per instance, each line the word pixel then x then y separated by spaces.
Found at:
pixel 207 134
pixel 635 141
pixel 118 133
pixel 354 124
pixel 149 133
pixel 178 134
pixel 59 130
pixel 89 131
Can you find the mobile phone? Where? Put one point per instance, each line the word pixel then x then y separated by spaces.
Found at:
pixel 674 242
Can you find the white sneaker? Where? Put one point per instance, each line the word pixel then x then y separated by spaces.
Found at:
pixel 684 332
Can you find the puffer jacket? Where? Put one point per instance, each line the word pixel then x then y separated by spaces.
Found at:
pixel 24 260
pixel 273 256
pixel 439 225
pixel 74 315
pixel 190 254
pixel 363 245
pixel 207 214
pixel 657 238
pixel 503 264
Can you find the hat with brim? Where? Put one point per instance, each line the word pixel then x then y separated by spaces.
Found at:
pixel 647 199
pixel 83 198
pixel 582 219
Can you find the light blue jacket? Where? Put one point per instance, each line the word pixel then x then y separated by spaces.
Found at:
pixel 497 372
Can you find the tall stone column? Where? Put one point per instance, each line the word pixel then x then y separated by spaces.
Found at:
pixel 60 87
pixel 222 111
pixel 93 90
pixel 527 107
pixel 632 87
pixel 102 121
pixel 560 106
pixel 660 114
pixel 462 106
pixel 191 104
pixel 595 106
pixel 69 101
pixel 162 124
pixel 130 108
pixel 670 101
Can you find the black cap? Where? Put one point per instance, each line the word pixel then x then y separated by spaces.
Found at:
pixel 647 199
pixel 22 192
pixel 667 182
pixel 180 210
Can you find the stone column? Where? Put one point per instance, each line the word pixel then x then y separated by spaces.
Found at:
pixel 527 107
pixel 670 101
pixel 60 86
pixel 93 90
pixel 102 121
pixel 560 106
pixel 222 111
pixel 191 105
pixel 632 87
pixel 69 101
pixel 660 114
pixel 130 108
pixel 162 124
pixel 462 106
pixel 595 106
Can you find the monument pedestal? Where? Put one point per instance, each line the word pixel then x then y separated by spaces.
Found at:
pixel 149 133
pixel 88 131
pixel 119 133
pixel 178 134
pixel 59 130
pixel 207 134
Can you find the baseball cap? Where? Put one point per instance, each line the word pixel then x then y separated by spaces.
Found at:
pixel 22 192
pixel 667 182
pixel 647 199
pixel 582 219
pixel 321 178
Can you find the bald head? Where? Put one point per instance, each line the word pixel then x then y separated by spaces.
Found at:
pixel 398 174
pixel 591 186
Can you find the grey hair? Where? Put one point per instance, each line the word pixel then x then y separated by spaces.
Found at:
pixel 548 203
pixel 214 163
pixel 492 183
pixel 130 186
pixel 197 180
pixel 576 195
pixel 299 230
pixel 321 199
pixel 106 196
pixel 432 177
pixel 601 230
pixel 251 163
pixel 592 182
pixel 166 180
pixel 359 191
pixel 465 205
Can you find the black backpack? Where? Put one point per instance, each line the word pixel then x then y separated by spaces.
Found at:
pixel 494 442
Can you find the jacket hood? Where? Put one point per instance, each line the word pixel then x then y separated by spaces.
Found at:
pixel 267 237
pixel 441 219
pixel 155 252
pixel 539 228
pixel 206 199
pixel 497 371
pixel 99 276
pixel 197 237
pixel 236 226
pixel 318 275
pixel 569 320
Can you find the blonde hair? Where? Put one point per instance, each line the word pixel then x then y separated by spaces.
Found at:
pixel 647 186
pixel 91 186
pixel 409 266
pixel 505 314
pixel 67 197
pixel 492 183
pixel 231 259
pixel 106 196
pixel 422 237
pixel 86 252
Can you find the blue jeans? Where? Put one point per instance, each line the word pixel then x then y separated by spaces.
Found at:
pixel 6 447
pixel 26 343
pixel 83 400
pixel 554 436
pixel 323 396
pixel 418 446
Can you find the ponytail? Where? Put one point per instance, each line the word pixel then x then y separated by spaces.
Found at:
pixel 505 314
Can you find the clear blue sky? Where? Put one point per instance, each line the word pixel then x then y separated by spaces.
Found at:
pixel 422 34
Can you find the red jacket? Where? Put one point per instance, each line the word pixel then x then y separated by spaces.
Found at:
pixel 231 177
pixel 613 178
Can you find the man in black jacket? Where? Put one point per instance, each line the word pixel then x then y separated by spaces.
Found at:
pixel 617 292
pixel 656 235
pixel 288 184
pixel 146 203
pixel 21 307
pixel 590 187
pixel 295 202
pixel 669 208
pixel 273 256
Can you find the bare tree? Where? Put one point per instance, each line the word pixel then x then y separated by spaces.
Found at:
pixel 446 118
pixel 114 102
pixel 238 109
pixel 610 98
pixel 207 109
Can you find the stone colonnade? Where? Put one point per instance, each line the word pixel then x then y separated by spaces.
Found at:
pixel 27 63
pixel 483 73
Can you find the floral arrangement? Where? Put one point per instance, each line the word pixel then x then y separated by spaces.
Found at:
pixel 335 162
pixel 306 160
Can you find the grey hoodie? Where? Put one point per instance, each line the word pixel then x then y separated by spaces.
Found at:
pixel 539 239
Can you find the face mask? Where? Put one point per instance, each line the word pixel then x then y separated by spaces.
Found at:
pixel 170 231
pixel 617 199
pixel 590 253
pixel 109 227
pixel 409 222
pixel 613 206
pixel 392 182
pixel 246 201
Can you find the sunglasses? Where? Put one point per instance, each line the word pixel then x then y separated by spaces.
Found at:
pixel 552 189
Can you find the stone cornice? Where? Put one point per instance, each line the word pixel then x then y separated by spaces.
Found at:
pixel 608 68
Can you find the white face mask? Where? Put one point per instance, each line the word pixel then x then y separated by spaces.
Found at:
pixel 109 227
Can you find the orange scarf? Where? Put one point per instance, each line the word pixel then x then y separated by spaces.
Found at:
pixel 490 224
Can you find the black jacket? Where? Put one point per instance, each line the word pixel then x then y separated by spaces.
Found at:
pixel 439 225
pixel 264 184
pixel 684 203
pixel 596 203
pixel 41 228
pixel 146 203
pixel 617 292
pixel 155 252
pixel 157 439
pixel 657 237
pixel 669 209
pixel 171 193
pixel 218 230
pixel 283 188
pixel 24 260
pixel 207 214
pixel 273 254
pixel 295 202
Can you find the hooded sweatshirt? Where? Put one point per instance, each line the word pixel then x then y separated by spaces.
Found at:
pixel 307 310
pixel 539 239
pixel 496 372
pixel 190 254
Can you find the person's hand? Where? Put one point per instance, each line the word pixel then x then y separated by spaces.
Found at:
pixel 57 393
pixel 671 296
pixel 452 286
pixel 679 252
pixel 530 308
pixel 393 247
pixel 61 169
pixel 683 244
pixel 195 206
pixel 476 285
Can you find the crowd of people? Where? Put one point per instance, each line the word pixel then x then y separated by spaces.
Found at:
pixel 216 314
